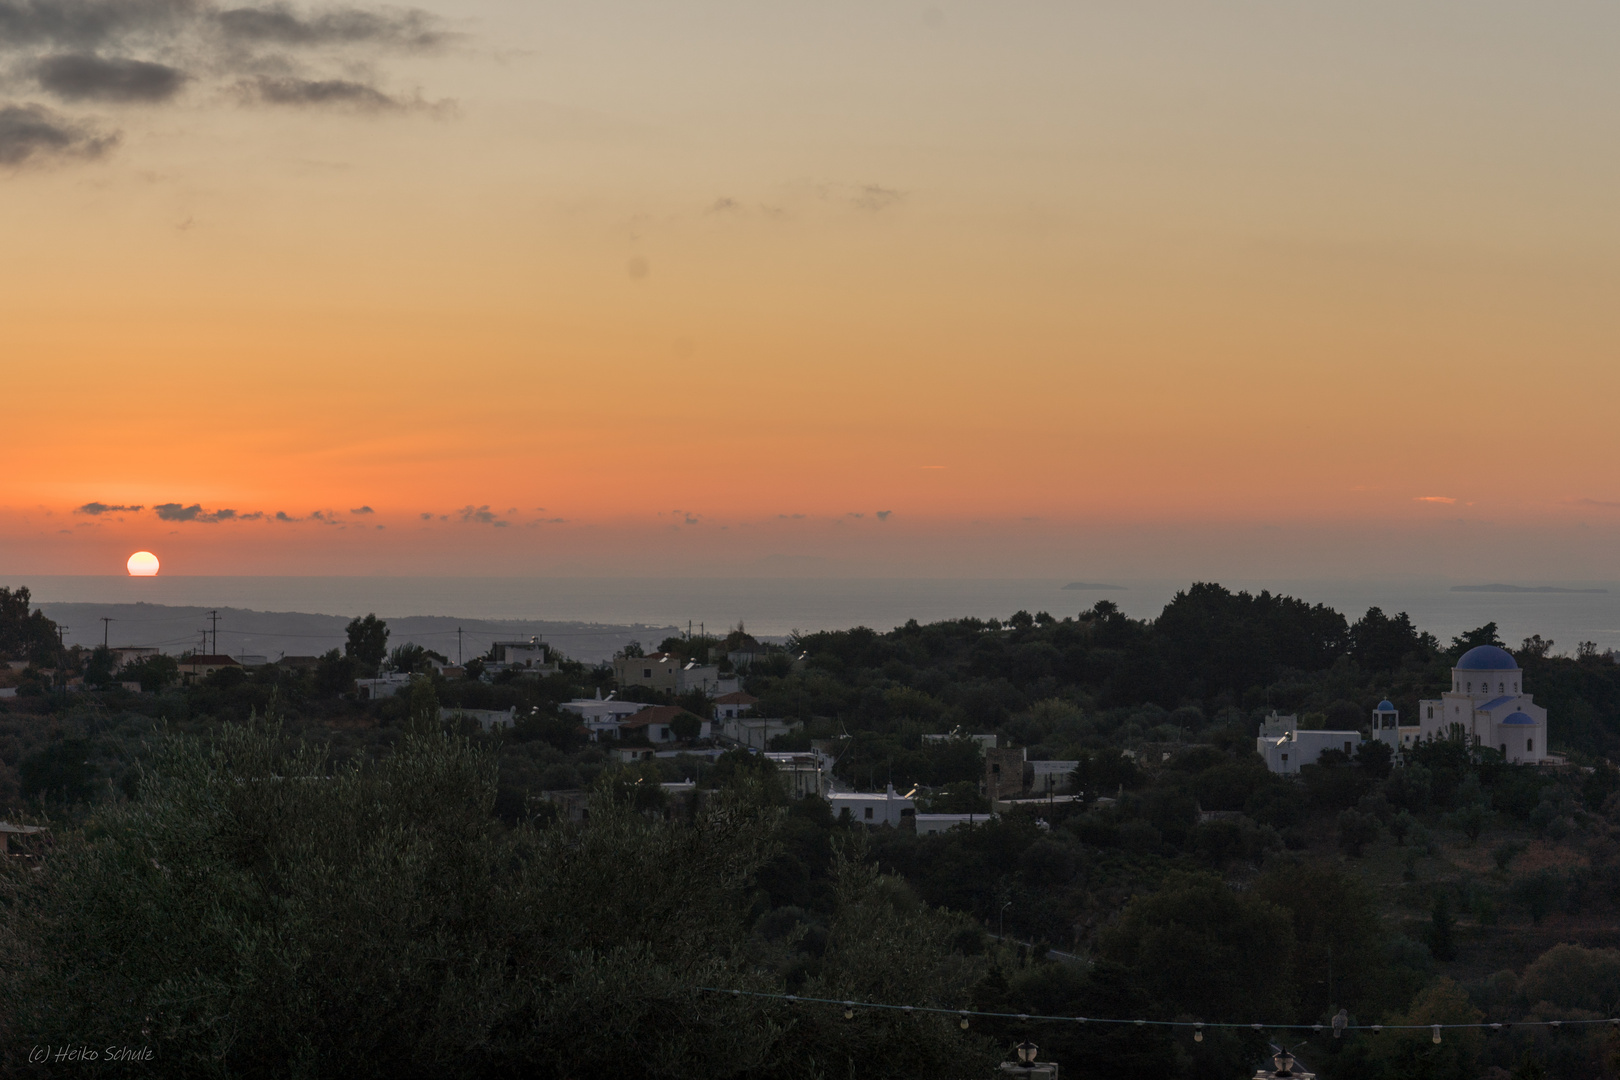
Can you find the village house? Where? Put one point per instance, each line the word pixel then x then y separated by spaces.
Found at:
pixel 200 667
pixel 874 808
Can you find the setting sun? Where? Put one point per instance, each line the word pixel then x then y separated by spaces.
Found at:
pixel 143 564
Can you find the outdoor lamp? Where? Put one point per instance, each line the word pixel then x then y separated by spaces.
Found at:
pixel 1437 1033
pixel 1198 1031
pixel 1026 1052
pixel 964 1021
pixel 849 1010
pixel 1284 1062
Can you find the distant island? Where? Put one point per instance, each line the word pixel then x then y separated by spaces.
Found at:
pixel 1517 589
pixel 1092 586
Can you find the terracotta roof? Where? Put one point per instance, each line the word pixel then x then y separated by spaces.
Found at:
pixel 738 698
pixel 658 714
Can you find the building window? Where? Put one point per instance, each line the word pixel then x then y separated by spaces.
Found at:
pixel 1504 749
pixel 1529 746
pixel 1470 688
pixel 1499 687
pixel 646 673
pixel 1285 759
pixel 868 813
pixel 1431 712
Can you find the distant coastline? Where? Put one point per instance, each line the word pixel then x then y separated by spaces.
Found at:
pixel 1092 586
pixel 1521 589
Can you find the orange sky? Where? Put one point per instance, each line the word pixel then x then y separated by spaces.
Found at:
pixel 1056 288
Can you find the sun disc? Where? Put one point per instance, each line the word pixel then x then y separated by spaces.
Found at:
pixel 142 564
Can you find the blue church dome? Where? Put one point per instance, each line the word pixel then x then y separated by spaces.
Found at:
pixel 1517 718
pixel 1487 658
pixel 1385 706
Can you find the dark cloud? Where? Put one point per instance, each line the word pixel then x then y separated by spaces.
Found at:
pixel 87 77
pixel 194 512
pixel 282 515
pixel 279 24
pixel 363 510
pixel 883 515
pixel 96 509
pixel 317 93
pixel 425 517
pixel 31 133
pixel 479 515
pixel 122 51
pixel 89 23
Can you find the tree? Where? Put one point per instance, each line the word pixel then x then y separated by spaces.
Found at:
pixel 1412 1052
pixel 153 672
pixel 1470 639
pixel 1400 825
pixel 101 668
pixel 1356 831
pixel 1338 938
pixel 1380 643
pixel 423 717
pixel 685 726
pixel 262 909
pixel 1200 948
pixel 411 658
pixel 61 772
pixel 1470 820
pixel 1442 928
pixel 1376 758
pixel 334 673
pixel 24 634
pixel 367 644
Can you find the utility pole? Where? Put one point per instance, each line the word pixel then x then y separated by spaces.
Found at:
pixel 105 620
pixel 458 647
pixel 214 618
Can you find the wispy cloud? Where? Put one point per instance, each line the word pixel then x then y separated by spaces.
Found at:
pixel 1594 502
pixel 1445 499
pixel 32 134
pixel 362 510
pixel 883 515
pixel 96 509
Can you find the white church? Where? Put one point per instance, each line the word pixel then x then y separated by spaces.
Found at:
pixel 1486 706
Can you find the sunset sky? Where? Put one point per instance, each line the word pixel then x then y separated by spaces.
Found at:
pixel 987 289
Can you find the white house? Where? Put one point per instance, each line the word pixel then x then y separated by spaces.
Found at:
pixel 874 808
pixel 928 824
pixel 731 706
pixel 1286 753
pixel 657 721
pixel 1487 706
pixel 1047 777
pixel 802 774
pixel 385 685
pixel 602 718
pixel 488 719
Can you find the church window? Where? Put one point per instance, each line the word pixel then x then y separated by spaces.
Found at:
pixel 1431 712
pixel 1529 746
pixel 1504 749
pixel 1499 688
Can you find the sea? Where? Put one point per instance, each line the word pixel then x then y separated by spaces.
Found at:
pixel 590 617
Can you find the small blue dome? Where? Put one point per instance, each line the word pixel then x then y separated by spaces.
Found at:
pixel 1385 706
pixel 1487 658
pixel 1518 718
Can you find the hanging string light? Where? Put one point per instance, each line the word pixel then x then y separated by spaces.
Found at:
pixel 1340 1024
